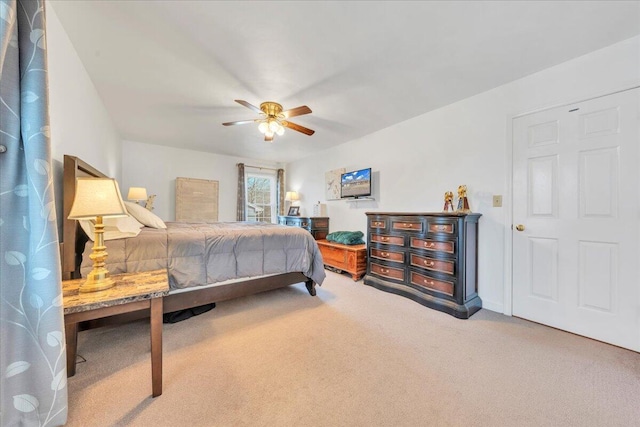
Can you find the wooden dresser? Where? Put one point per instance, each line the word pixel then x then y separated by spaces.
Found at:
pixel 318 226
pixel 431 258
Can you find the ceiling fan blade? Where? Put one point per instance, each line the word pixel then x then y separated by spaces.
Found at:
pixel 298 111
pixel 238 122
pixel 250 106
pixel 299 128
pixel 268 138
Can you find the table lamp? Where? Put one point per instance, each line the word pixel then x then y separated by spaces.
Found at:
pixel 97 198
pixel 292 196
pixel 137 194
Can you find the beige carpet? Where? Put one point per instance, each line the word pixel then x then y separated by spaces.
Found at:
pixel 352 356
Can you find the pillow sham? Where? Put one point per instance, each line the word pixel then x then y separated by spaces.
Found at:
pixel 114 228
pixel 346 237
pixel 144 215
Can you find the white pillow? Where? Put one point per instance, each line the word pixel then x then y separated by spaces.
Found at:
pixel 114 228
pixel 144 215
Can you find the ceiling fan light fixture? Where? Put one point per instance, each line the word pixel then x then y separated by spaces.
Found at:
pixel 273 119
pixel 274 126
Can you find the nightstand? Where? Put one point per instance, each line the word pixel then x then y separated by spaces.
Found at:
pixel 132 292
pixel 318 226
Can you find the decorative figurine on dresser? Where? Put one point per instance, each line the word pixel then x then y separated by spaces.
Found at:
pixel 431 258
pixel 463 202
pixel 448 201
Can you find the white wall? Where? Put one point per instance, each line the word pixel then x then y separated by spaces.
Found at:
pixel 416 161
pixel 156 168
pixel 80 124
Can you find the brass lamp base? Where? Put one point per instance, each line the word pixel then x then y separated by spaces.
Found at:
pixel 97 281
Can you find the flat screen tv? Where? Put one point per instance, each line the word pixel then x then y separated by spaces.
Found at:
pixel 355 184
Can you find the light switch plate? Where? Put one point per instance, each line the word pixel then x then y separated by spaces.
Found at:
pixel 497 201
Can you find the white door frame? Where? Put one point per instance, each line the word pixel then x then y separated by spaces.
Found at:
pixel 507 306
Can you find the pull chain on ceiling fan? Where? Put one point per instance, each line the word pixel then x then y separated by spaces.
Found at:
pixel 273 120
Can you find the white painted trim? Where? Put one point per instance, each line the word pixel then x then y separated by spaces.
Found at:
pixel 581 99
pixel 508 200
pixel 492 306
pixel 508 222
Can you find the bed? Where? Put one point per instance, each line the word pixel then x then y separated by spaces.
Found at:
pixel 191 286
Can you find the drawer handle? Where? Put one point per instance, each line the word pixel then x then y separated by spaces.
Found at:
pixel 429 263
pixel 384 239
pixel 304 224
pixel 384 254
pixel 429 282
pixel 429 245
pixel 384 270
pixel 440 227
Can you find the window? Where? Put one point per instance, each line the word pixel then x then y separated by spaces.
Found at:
pixel 261 197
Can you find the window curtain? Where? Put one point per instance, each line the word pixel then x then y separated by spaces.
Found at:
pixel 281 193
pixel 32 350
pixel 241 209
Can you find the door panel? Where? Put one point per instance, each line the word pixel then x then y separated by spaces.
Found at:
pixel 576 262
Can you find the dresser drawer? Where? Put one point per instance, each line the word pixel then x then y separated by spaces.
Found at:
pixel 388 240
pixel 378 224
pixel 432 284
pixel 447 227
pixel 319 234
pixel 387 255
pixel 388 272
pixel 433 245
pixel 320 223
pixel 441 265
pixel 407 226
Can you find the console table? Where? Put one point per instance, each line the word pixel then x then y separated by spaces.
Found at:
pixel 132 292
pixel 431 258
pixel 318 226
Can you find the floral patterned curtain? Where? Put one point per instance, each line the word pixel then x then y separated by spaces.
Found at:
pixel 32 350
pixel 241 210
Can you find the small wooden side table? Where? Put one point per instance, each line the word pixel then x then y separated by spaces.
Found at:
pixel 132 292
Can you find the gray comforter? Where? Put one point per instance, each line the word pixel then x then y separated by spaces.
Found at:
pixel 203 253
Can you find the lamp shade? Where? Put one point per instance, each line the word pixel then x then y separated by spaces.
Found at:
pixel 137 193
pixel 292 196
pixel 97 197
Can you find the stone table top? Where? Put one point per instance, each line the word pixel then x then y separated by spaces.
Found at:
pixel 130 287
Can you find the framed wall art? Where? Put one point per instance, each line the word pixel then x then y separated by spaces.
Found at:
pixel 332 183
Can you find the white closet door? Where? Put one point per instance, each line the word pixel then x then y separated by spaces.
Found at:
pixel 576 191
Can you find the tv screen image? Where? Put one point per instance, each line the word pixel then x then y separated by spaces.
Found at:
pixel 356 183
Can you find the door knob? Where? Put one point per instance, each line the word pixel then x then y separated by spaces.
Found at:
pixel 520 227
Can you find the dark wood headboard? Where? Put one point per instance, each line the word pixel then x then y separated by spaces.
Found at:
pixel 73 168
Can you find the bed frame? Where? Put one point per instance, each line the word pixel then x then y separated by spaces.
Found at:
pixel 74 240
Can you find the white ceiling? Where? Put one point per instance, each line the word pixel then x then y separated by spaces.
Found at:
pixel 168 71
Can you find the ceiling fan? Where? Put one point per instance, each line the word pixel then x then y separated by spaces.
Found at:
pixel 273 120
